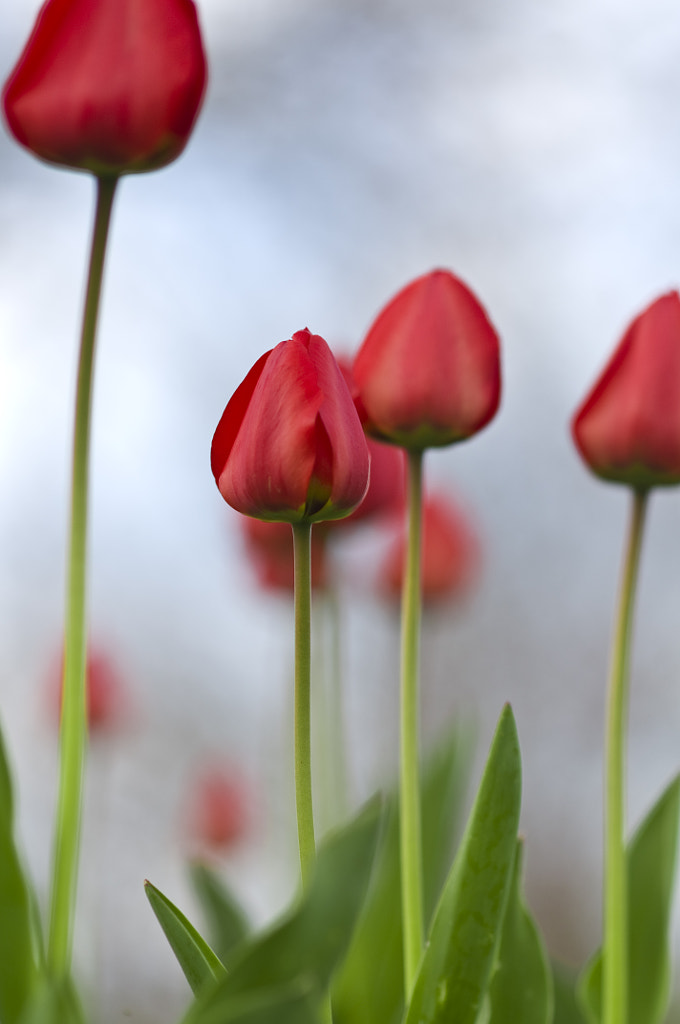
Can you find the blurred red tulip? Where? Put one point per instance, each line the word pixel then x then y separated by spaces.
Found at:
pixel 289 445
pixel 450 553
pixel 107 698
pixel 108 86
pixel 388 469
pixel 218 809
pixel 270 546
pixel 628 428
pixel 428 372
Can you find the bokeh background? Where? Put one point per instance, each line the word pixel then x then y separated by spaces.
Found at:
pixel 344 148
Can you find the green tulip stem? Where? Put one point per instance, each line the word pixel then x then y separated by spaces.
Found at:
pixel 615 944
pixel 409 791
pixel 302 539
pixel 73 730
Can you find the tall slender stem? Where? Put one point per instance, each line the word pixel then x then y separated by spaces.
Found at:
pixel 73 735
pixel 302 537
pixel 615 945
pixel 409 791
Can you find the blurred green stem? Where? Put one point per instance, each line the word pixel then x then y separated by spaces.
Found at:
pixel 409 792
pixel 302 537
pixel 73 733
pixel 615 945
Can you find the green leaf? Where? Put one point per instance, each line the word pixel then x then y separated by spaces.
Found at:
pixel 53 1002
pixel 521 986
pixel 567 1010
pixel 200 964
pixel 369 986
pixel 226 921
pixel 296 1003
pixel 313 937
pixel 651 861
pixel 455 970
pixel 6 794
pixel 18 968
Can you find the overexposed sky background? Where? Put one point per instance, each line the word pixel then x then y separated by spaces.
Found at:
pixel 343 149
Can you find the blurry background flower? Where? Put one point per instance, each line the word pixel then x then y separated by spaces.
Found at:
pixel 109 705
pixel 450 555
pixel 218 810
pixel 270 547
pixel 525 145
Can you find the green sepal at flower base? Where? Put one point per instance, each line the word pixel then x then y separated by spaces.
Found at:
pixel 370 983
pixel 227 922
pixel 19 942
pixel 455 970
pixel 651 859
pixel 198 961
pixel 307 945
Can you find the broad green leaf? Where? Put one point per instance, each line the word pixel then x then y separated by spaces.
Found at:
pixel 296 1003
pixel 18 968
pixel 226 921
pixel 455 969
pixel 313 937
pixel 6 792
pixel 521 986
pixel 651 857
pixel 53 1002
pixel 200 964
pixel 370 984
pixel 567 1009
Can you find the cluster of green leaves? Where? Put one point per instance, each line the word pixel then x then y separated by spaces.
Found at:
pixel 484 959
pixel 28 995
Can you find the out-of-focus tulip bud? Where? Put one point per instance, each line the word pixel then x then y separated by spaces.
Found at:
pixel 289 445
pixel 450 553
pixel 270 546
pixel 428 372
pixel 108 703
pixel 628 428
pixel 388 469
pixel 217 809
pixel 108 86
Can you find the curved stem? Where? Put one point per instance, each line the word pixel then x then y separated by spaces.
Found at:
pixel 615 944
pixel 409 792
pixel 73 734
pixel 302 536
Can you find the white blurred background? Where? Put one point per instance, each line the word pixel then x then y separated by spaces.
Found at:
pixel 344 148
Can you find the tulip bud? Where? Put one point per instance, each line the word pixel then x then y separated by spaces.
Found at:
pixel 108 86
pixel 270 546
pixel 388 471
pixel 217 809
pixel 628 428
pixel 289 445
pixel 106 696
pixel 428 372
pixel 450 555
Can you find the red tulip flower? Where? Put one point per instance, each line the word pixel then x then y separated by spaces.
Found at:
pixel 388 469
pixel 428 372
pixel 218 809
pixel 450 556
pixel 105 692
pixel 289 445
pixel 108 86
pixel 628 428
pixel 271 549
